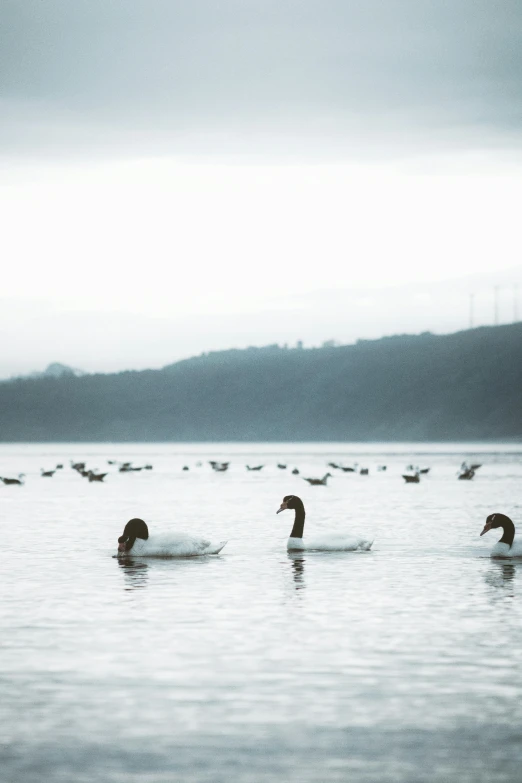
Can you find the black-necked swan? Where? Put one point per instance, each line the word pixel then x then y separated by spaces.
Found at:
pixel 331 542
pixel 506 546
pixel 136 541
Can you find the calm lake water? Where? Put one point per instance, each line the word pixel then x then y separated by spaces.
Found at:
pixel 401 664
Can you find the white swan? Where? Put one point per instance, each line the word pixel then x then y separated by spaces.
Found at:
pixel 332 542
pixel 136 541
pixel 506 546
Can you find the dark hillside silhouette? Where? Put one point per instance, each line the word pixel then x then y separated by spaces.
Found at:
pixel 463 386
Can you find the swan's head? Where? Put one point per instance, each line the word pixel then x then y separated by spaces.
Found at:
pixel 135 528
pixel 495 520
pixel 290 501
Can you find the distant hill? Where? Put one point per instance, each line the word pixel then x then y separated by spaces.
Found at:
pixel 55 370
pixel 463 386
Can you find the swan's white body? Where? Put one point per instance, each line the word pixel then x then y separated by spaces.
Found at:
pixel 504 550
pixel 330 543
pixel 174 545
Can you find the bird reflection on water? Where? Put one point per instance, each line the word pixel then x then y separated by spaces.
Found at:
pixel 298 569
pixel 502 576
pixel 134 571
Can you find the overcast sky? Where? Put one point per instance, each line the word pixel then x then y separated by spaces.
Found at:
pixel 178 177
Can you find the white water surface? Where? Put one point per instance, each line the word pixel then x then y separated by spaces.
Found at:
pixel 397 665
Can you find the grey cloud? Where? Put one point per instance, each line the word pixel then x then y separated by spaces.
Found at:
pixel 196 75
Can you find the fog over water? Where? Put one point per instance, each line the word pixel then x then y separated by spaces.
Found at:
pixel 399 664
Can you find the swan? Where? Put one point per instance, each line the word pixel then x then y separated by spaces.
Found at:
pixel 505 547
pixel 136 541
pixel 332 542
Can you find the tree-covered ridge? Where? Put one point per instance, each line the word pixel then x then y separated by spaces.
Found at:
pixel 462 386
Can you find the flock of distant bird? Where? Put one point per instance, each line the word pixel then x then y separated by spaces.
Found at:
pixel 412 474
pixel 465 473
pixel 81 469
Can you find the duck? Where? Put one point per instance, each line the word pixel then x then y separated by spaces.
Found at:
pixel 92 476
pixel 136 541
pixel 506 546
pixel 316 482
pixel 19 480
pixel 126 467
pixel 411 474
pixel 219 467
pixel 331 542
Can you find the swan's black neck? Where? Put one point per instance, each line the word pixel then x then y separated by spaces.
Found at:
pixel 509 532
pixel 130 543
pixel 297 530
pixel 135 528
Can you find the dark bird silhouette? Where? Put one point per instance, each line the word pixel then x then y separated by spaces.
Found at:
pixel 219 467
pixel 315 482
pixel 95 476
pixel 19 480
pixel 295 472
pixel 47 473
pixel 255 467
pixel 128 468
pixel 283 467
